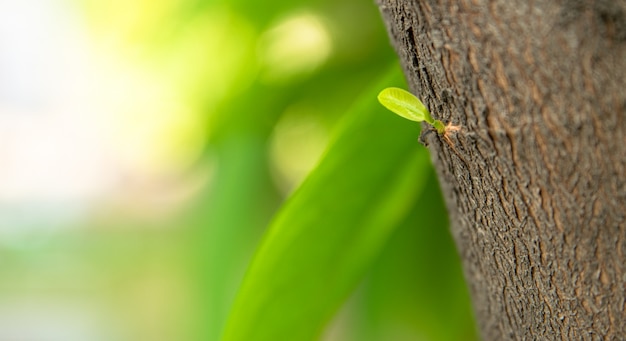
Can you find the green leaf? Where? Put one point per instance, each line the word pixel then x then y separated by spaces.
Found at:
pixel 327 235
pixel 416 285
pixel 404 104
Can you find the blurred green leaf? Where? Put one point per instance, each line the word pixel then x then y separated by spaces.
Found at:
pixel 415 289
pixel 330 231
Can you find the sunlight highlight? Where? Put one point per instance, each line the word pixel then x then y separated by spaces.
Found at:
pixel 295 46
pixel 296 146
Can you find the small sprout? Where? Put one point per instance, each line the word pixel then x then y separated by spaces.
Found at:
pixel 410 107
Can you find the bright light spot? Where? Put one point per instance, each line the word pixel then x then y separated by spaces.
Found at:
pixel 295 46
pixel 297 143
pixel 146 121
pixel 49 148
pixel 83 121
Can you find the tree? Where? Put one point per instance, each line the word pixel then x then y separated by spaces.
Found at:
pixel 535 179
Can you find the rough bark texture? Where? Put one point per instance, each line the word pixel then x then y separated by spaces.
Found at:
pixel 535 180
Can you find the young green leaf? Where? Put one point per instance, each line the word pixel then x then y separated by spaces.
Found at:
pixel 404 104
pixel 408 106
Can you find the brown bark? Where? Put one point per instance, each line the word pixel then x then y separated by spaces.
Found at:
pixel 535 180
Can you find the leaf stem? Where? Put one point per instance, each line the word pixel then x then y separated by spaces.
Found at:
pixel 439 126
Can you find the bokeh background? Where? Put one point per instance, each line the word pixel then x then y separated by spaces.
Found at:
pixel 146 145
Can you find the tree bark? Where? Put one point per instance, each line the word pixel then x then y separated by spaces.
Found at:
pixel 534 180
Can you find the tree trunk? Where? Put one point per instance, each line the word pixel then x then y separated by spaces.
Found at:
pixel 535 179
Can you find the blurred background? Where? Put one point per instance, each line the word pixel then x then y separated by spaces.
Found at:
pixel 145 146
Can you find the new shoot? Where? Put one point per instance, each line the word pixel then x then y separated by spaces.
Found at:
pixel 410 107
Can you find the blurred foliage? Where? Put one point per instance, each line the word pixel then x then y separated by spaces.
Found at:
pixel 264 85
pixel 318 247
